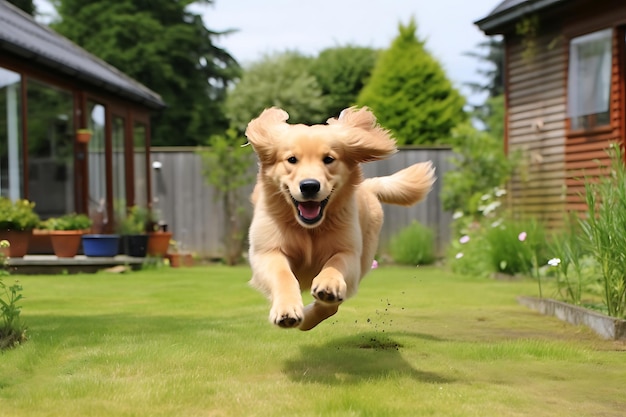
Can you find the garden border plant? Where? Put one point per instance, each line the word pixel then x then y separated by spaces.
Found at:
pixel 12 329
pixel 491 241
pixel 589 266
pixel 604 228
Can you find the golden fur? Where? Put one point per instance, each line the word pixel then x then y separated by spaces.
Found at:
pixel 316 220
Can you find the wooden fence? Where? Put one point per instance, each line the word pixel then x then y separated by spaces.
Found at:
pixel 187 204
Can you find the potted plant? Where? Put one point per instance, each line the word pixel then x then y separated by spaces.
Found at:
pixel 17 221
pixel 66 233
pixel 158 238
pixel 134 240
pixel 83 135
pixel 177 256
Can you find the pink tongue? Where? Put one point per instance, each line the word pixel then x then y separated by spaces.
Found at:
pixel 309 209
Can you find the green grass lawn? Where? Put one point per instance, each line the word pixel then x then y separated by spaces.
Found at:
pixel 196 342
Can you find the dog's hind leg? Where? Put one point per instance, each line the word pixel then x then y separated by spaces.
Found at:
pixel 315 313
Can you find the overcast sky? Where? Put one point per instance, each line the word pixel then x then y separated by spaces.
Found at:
pixel 309 26
pixel 267 26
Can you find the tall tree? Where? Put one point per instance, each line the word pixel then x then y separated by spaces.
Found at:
pixel 167 48
pixel 410 93
pixel 490 53
pixel 342 73
pixel 282 80
pixel 491 112
pixel 26 5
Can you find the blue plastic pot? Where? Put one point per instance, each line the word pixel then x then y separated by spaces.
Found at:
pixel 101 245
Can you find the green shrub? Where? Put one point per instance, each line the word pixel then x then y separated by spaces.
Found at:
pixel 517 247
pixel 71 221
pixel 495 244
pixel 18 215
pixel 413 245
pixel 481 168
pixel 468 254
pixel 136 222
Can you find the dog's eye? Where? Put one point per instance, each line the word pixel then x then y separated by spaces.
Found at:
pixel 292 159
pixel 328 159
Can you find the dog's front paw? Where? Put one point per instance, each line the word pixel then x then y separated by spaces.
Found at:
pixel 329 290
pixel 286 316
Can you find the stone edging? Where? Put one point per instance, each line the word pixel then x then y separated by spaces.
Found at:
pixel 605 326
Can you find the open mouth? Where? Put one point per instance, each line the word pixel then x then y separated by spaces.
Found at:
pixel 310 212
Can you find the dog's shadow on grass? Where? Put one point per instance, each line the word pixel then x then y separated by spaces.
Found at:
pixel 364 356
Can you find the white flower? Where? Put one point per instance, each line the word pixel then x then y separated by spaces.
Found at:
pixel 464 239
pixel 459 255
pixel 491 207
pixel 485 197
pixel 499 192
pixel 497 223
pixel 554 262
pixel 457 215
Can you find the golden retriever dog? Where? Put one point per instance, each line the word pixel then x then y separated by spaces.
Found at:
pixel 316 219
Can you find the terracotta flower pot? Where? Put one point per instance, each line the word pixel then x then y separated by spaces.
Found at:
pixel 83 136
pixel 180 259
pixel 158 243
pixel 174 259
pixel 66 243
pixel 18 239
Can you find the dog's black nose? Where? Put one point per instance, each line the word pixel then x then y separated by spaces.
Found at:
pixel 309 187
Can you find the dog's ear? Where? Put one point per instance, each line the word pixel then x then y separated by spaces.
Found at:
pixel 263 132
pixel 364 139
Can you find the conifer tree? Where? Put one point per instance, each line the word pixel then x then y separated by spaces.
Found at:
pixel 410 93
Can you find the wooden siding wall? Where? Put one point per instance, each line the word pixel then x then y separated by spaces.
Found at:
pixel 536 103
pixel 187 205
pixel 555 159
pixel 586 152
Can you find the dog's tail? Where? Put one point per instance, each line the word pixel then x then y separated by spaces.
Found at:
pixel 405 187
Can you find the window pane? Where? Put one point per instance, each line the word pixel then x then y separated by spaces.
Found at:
pixel 50 149
pixel 96 163
pixel 119 170
pixel 589 83
pixel 11 174
pixel 139 144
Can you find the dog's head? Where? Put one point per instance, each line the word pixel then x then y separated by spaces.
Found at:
pixel 311 165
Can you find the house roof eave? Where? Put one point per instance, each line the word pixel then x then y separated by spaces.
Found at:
pixel 501 18
pixel 24 38
pixel 149 99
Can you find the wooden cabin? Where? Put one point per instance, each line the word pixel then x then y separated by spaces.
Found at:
pixel 565 72
pixel 50 90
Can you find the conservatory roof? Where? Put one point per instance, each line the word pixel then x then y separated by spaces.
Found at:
pixel 22 36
